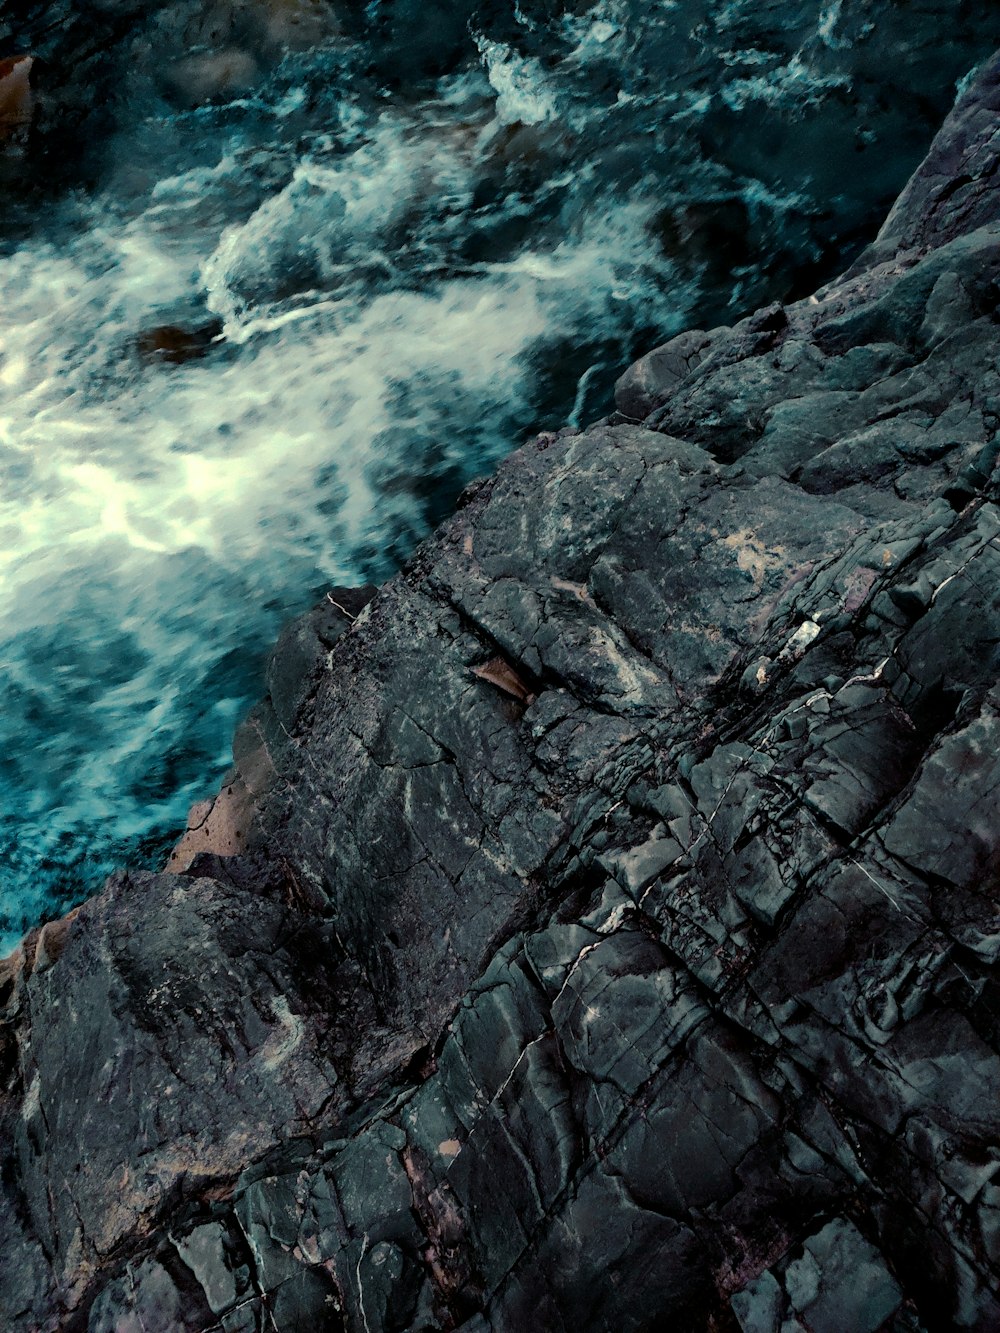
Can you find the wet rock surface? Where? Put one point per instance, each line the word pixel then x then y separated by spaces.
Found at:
pixel 615 940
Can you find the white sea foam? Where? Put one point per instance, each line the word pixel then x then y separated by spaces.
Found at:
pixel 522 95
pixel 162 515
pixel 793 83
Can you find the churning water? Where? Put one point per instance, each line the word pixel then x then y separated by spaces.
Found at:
pixel 393 261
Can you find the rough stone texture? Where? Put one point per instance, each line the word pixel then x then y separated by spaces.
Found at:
pixel 615 941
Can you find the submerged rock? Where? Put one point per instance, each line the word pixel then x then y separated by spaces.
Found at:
pixel 226 72
pixel 174 344
pixel 17 102
pixel 616 941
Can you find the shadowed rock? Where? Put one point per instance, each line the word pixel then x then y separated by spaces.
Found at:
pixel 174 345
pixel 617 942
pixel 16 97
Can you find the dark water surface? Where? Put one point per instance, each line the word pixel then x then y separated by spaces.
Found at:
pixel 422 231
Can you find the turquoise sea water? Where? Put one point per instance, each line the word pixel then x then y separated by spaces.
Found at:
pixel 406 245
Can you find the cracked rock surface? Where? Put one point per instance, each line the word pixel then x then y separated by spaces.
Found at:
pixel 599 928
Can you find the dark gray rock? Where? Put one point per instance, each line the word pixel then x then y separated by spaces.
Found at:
pixel 649 382
pixel 611 937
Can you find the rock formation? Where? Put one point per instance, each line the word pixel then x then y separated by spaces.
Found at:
pixel 600 926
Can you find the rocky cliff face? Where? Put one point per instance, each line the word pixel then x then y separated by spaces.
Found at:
pixel 600 926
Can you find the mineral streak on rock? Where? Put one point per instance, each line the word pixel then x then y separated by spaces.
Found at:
pixel 615 944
